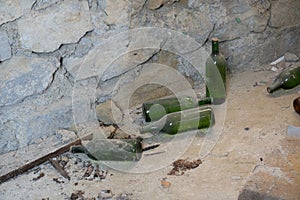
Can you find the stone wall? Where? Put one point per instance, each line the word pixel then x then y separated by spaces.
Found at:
pixel 44 43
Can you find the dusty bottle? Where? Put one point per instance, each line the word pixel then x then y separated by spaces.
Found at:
pixel 287 79
pixel 186 120
pixel 296 105
pixel 156 109
pixel 215 68
pixel 111 149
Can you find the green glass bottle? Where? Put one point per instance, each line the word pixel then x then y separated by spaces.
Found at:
pixel 111 149
pixel 287 79
pixel 215 68
pixel 186 120
pixel 156 109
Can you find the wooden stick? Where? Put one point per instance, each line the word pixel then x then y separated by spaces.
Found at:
pixel 40 160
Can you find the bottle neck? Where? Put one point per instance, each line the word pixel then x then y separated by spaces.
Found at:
pixel 153 127
pixel 274 87
pixel 204 101
pixel 215 47
pixel 148 129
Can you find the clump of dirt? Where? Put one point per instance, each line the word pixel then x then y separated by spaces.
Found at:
pixel 182 165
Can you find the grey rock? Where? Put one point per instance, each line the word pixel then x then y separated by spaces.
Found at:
pixel 117 12
pixel 22 77
pixel 13 9
pixel 154 4
pixel 91 128
pixel 65 23
pixel 109 113
pixel 25 124
pixel 177 17
pixel 5 49
pixel 8 137
pixel 240 21
pixel 290 57
pixel 66 136
pixel 72 65
pixel 118 54
pixel 197 3
pixel 127 62
pixel 285 13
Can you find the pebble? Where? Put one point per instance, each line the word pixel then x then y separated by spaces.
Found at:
pixel 165 184
pixel 154 4
pixel 274 69
pixel 290 57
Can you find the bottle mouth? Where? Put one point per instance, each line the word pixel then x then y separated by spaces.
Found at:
pixel 272 89
pixel 269 90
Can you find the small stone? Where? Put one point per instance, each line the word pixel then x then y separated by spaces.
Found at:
pixel 154 4
pixel 65 23
pixel 105 194
pixel 290 57
pixel 13 9
pixel 121 134
pixel 165 184
pixel 109 130
pixel 23 76
pixel 274 69
pixel 66 136
pixel 108 113
pixel 116 12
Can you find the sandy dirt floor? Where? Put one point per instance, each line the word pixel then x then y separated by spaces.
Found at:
pixel 252 137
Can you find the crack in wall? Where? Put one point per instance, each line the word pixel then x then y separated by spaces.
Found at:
pixel 209 35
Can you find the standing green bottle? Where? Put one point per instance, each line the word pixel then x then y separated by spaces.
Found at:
pixel 287 79
pixel 156 109
pixel 216 67
pixel 186 120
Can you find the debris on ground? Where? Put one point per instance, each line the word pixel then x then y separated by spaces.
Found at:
pixel 78 194
pixel 100 173
pixel 59 168
pixel 39 176
pixel 105 194
pixel 164 183
pixel 88 171
pixel 182 165
pixel 58 180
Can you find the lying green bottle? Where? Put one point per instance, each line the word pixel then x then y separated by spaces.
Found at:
pixel 111 149
pixel 287 79
pixel 156 109
pixel 186 120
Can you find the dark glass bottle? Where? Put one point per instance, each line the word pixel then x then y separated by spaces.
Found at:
pixel 111 149
pixel 287 79
pixel 186 120
pixel 296 105
pixel 216 67
pixel 156 109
